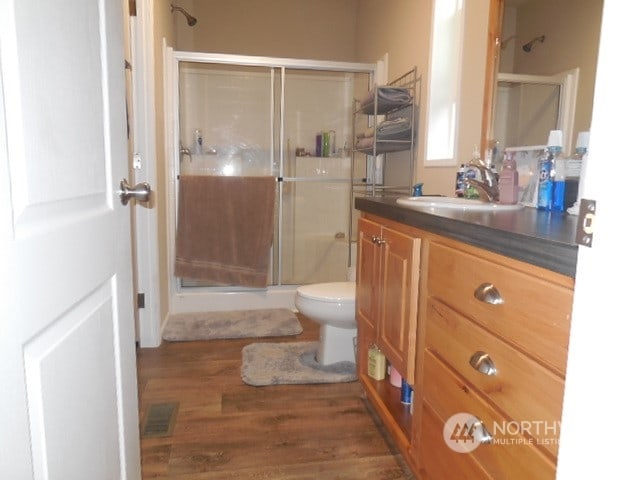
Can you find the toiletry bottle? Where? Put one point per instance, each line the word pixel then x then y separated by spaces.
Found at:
pixel 325 144
pixel 459 191
pixel 197 142
pixel 332 143
pixel 573 169
pixel 376 363
pixel 470 173
pixel 559 185
pixel 508 182
pixel 494 170
pixel 547 170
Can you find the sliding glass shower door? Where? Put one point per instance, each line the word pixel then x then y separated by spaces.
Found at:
pixel 225 120
pixel 248 120
pixel 317 171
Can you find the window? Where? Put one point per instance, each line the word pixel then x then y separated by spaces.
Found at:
pixel 444 76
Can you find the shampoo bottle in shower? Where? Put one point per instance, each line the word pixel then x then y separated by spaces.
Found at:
pixel 197 142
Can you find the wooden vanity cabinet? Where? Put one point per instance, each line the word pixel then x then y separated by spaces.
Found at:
pixel 475 333
pixel 386 313
pixel 387 290
pixel 492 343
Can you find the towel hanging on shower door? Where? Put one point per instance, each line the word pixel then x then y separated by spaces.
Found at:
pixel 225 229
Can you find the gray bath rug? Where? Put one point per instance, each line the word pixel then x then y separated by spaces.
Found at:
pixel 274 322
pixel 290 363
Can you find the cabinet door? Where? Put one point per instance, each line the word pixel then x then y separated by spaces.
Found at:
pixel 367 284
pixel 399 300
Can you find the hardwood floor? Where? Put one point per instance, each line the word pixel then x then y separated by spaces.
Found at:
pixel 228 430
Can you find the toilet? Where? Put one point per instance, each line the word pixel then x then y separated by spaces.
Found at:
pixel 333 306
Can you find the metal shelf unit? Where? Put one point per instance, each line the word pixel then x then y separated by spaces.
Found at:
pixel 376 165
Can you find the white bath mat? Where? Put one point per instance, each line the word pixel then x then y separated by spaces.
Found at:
pixel 290 363
pixel 274 322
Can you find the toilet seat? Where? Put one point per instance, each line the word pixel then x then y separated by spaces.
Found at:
pixel 334 292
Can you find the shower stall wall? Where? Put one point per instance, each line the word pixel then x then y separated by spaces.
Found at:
pixel 245 116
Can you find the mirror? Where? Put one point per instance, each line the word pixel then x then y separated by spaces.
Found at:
pixel 542 57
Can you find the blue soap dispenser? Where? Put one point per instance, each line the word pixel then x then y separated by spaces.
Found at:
pixel 417 190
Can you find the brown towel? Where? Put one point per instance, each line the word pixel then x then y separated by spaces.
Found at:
pixel 225 229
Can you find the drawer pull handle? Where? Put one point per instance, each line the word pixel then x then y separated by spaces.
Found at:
pixel 482 362
pixel 476 428
pixel 487 293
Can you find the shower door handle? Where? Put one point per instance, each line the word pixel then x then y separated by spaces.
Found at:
pixel 141 192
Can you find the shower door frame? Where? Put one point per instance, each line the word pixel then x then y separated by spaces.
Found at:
pixel 192 299
pixel 567 81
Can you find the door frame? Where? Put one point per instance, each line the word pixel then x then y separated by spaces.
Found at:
pixel 145 168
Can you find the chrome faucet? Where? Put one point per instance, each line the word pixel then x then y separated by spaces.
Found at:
pixel 487 184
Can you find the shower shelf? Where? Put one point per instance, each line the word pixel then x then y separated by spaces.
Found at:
pixel 205 154
pixel 390 111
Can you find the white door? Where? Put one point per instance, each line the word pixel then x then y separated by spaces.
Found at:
pixel 68 401
pixel 599 437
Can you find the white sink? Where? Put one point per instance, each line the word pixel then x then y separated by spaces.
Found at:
pixel 433 204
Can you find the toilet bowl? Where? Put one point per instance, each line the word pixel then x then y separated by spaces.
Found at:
pixel 333 307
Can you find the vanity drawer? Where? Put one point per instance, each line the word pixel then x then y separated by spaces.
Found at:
pixel 534 314
pixel 524 390
pixel 439 462
pixel 508 455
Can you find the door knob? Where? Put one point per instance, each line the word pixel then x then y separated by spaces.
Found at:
pixel 141 192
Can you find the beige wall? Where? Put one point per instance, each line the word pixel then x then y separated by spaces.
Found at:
pixel 572 37
pixel 312 29
pixel 402 28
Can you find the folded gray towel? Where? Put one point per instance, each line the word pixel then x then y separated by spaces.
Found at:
pixel 388 98
pixel 394 129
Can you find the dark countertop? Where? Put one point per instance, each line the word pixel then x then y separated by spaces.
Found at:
pixel 545 239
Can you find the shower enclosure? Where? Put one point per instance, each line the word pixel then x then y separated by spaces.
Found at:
pixel 248 116
pixel 527 107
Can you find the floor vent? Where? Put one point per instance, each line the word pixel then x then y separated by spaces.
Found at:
pixel 159 420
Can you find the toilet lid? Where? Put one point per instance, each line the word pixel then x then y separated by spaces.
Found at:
pixel 344 292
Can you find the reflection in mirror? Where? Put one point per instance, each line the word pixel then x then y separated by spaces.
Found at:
pixel 543 39
pixel 529 106
pixel 524 111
